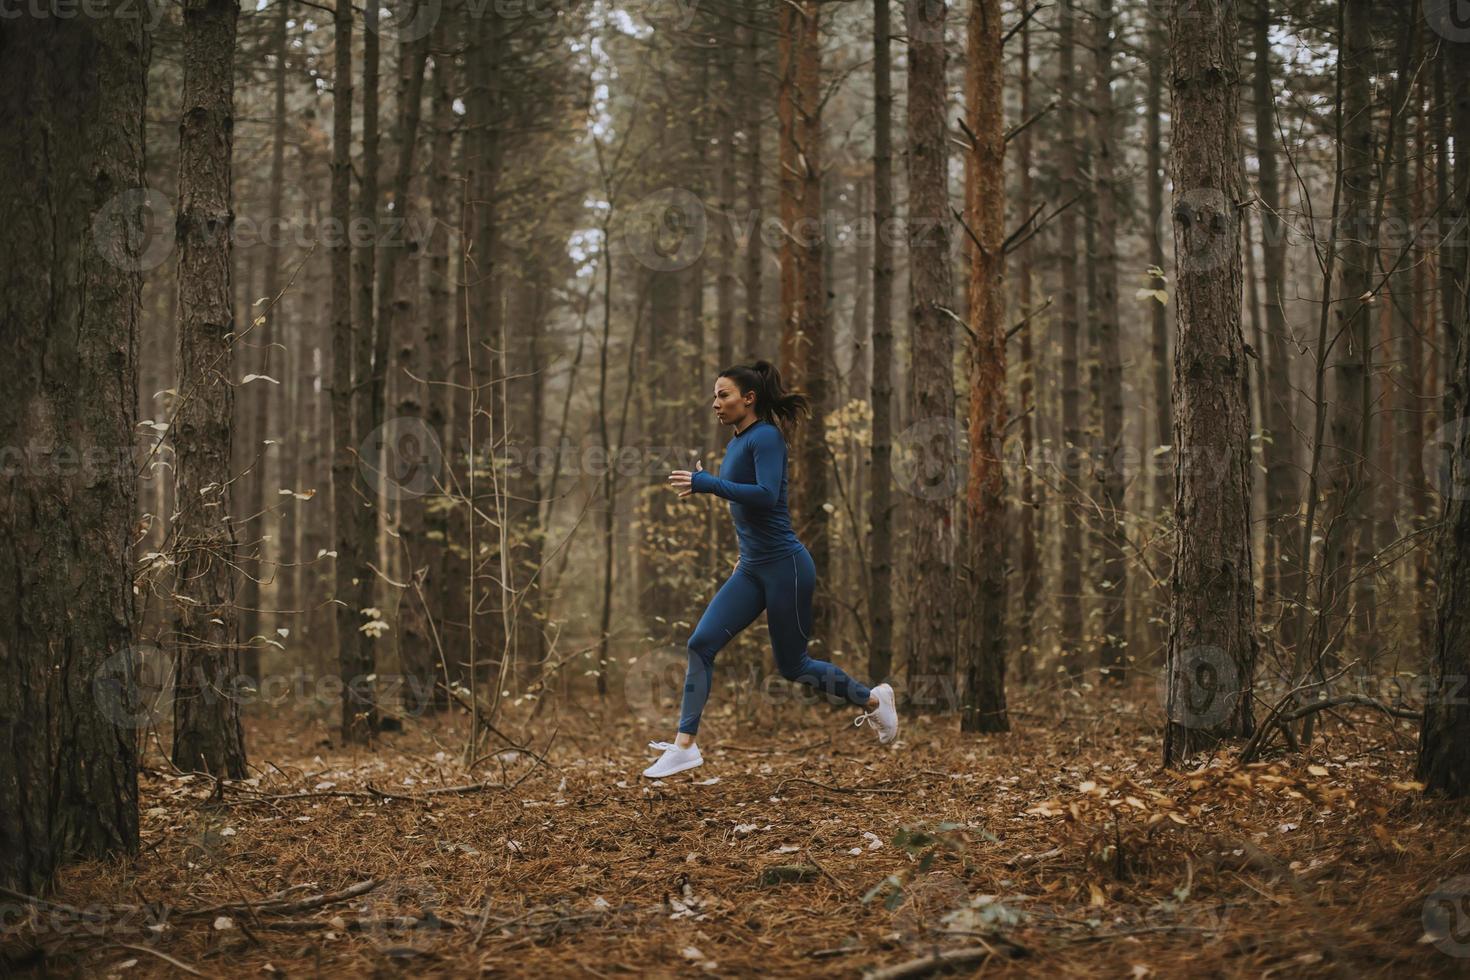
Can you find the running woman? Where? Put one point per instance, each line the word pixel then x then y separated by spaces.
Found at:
pixel 775 571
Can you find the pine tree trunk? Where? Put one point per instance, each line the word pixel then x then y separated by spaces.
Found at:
pixel 206 631
pixel 1444 739
pixel 266 476
pixel 933 636
pixel 984 698
pixel 754 89
pixel 1212 643
pixel 1113 588
pixel 1070 316
pixel 1349 351
pixel 413 454
pixel 1029 510
pixel 1283 575
pixel 880 544
pixel 345 494
pixel 72 96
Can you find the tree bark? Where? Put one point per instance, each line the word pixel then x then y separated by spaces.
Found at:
pixel 1113 588
pixel 206 630
pixel 1070 471
pixel 984 704
pixel 880 545
pixel 1284 567
pixel 933 635
pixel 1444 738
pixel 1212 643
pixel 357 715
pixel 72 96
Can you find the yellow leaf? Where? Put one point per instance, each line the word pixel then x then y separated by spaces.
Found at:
pixel 1098 898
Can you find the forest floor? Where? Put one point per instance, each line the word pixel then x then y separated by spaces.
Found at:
pixel 1060 848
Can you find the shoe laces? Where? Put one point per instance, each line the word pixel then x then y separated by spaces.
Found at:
pixel 858 721
pixel 662 746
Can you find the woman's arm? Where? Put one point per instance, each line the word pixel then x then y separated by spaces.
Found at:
pixel 770 466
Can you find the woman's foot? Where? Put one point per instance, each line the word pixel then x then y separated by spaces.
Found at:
pixel 884 715
pixel 673 760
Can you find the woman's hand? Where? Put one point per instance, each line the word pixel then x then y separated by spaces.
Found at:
pixel 680 480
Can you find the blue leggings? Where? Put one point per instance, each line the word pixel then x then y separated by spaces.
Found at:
pixel 783 588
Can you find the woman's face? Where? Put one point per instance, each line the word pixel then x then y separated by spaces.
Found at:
pixel 731 407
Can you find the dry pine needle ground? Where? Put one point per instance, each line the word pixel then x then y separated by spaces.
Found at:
pixel 1061 848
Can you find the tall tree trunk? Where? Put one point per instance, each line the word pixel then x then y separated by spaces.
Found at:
pixel 1212 642
pixel 350 545
pixel 984 704
pixel 1444 738
pixel 880 544
pixel 436 556
pixel 1113 588
pixel 413 453
pixel 206 631
pixel 751 122
pixel 1283 574
pixel 1349 349
pixel 72 97
pixel 933 636
pixel 1158 64
pixel 1029 507
pixel 1071 320
pixel 265 477
pixel 805 342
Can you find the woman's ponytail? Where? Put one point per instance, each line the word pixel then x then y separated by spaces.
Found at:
pixel 772 401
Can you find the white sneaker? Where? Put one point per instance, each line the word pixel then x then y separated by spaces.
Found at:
pixel 884 717
pixel 673 760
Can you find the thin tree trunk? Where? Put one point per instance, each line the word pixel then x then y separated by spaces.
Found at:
pixel 436 553
pixel 1030 511
pixel 206 633
pixel 984 705
pixel 751 122
pixel 1349 350
pixel 1113 588
pixel 880 546
pixel 350 544
pixel 1444 739
pixel 1285 567
pixel 1070 315
pixel 413 457
pixel 266 476
pixel 1158 64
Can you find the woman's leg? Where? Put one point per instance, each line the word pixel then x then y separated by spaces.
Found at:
pixel 734 607
pixel 789 584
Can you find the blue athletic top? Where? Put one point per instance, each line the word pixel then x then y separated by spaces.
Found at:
pixel 753 478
